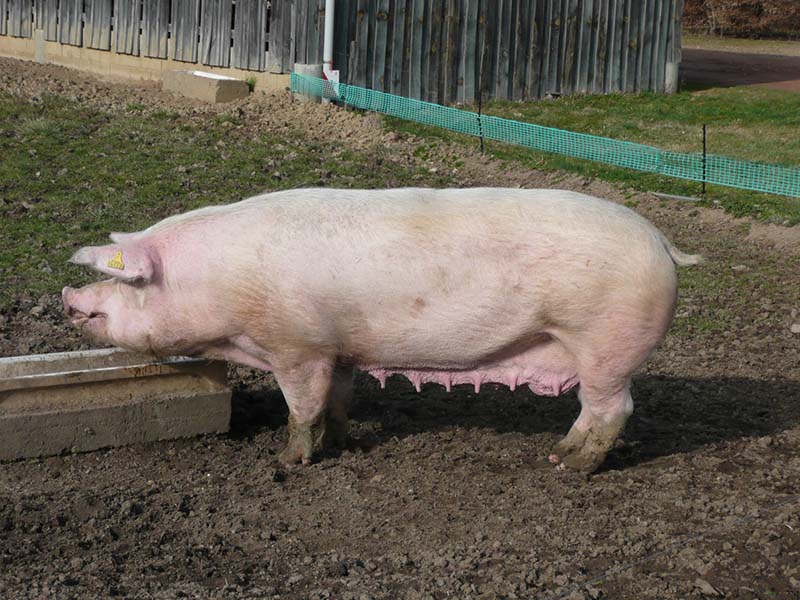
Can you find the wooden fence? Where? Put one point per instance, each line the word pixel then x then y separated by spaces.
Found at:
pixel 442 51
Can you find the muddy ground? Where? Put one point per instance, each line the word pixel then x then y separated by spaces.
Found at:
pixel 445 495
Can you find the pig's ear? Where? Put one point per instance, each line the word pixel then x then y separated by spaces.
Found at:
pixel 121 238
pixel 127 263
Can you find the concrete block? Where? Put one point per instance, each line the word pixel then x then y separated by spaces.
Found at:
pixel 312 70
pixel 40 45
pixel 80 401
pixel 209 87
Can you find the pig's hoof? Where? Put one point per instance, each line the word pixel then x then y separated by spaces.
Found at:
pixel 584 451
pixel 572 443
pixel 305 441
pixel 293 455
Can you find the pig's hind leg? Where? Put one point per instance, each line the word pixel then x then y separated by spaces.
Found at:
pixel 605 362
pixel 594 433
pixel 318 394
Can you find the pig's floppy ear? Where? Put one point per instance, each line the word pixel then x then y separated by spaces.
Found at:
pixel 127 263
pixel 121 238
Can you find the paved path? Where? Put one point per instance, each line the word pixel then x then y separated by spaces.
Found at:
pixel 713 68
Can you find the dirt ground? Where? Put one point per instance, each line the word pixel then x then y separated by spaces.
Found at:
pixel 444 495
pixel 723 68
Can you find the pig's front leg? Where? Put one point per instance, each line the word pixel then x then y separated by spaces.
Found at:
pixel 318 394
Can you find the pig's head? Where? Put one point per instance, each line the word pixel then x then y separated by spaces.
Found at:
pixel 122 310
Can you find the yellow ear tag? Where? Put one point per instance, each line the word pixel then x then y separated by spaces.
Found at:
pixel 116 262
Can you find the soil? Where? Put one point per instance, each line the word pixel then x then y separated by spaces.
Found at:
pixel 443 495
pixel 716 68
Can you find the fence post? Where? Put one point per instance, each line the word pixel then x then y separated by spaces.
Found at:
pixel 705 155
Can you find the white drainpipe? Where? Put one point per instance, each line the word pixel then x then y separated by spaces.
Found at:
pixel 327 54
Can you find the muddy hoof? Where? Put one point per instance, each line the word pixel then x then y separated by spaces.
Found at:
pixel 308 440
pixel 293 455
pixel 305 442
pixel 584 451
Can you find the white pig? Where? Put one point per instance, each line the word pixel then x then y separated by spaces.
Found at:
pixel 545 288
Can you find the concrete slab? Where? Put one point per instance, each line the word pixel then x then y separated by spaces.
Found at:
pixel 209 87
pixel 80 401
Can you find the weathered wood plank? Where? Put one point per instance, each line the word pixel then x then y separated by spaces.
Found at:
pixel 341 38
pixel 626 46
pixel 399 49
pixel 504 44
pixel 550 26
pixel 289 38
pixel 45 17
pixel 301 32
pixel 184 30
pixel 359 75
pixel 677 36
pixel 281 35
pixel 634 47
pixel 468 54
pixel 660 56
pixel 20 18
pixel 483 44
pixel 612 49
pixel 290 57
pixel 97 25
pixel 3 19
pixel 275 37
pixel 127 22
pixel 646 43
pixel 451 29
pixel 601 26
pixel 533 75
pixel 571 48
pixel 592 48
pixel 637 16
pixel 585 32
pixel 425 57
pixel 316 39
pixel 522 32
pixel 379 81
pixel 249 35
pixel 435 67
pixel 155 28
pixel 70 22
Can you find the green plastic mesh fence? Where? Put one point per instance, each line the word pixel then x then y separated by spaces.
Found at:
pixel 720 170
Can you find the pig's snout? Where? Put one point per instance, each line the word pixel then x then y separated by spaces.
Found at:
pixel 78 316
pixel 65 296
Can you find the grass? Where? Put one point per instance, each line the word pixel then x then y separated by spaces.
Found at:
pixel 70 174
pixel 747 123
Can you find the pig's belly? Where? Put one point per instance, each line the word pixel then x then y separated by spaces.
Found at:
pixel 545 367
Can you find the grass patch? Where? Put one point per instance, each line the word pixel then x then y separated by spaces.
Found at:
pixel 70 174
pixel 747 123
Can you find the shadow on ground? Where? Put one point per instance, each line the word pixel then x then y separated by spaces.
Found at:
pixel 672 414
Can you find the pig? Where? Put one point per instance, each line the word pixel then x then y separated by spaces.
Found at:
pixel 546 288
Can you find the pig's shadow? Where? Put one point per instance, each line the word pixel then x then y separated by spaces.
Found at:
pixel 672 414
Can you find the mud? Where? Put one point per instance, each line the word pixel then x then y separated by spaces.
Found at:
pixel 443 495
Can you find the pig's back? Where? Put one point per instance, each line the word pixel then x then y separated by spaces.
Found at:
pixel 459 271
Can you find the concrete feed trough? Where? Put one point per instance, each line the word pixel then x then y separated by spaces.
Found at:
pixel 79 401
pixel 209 87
